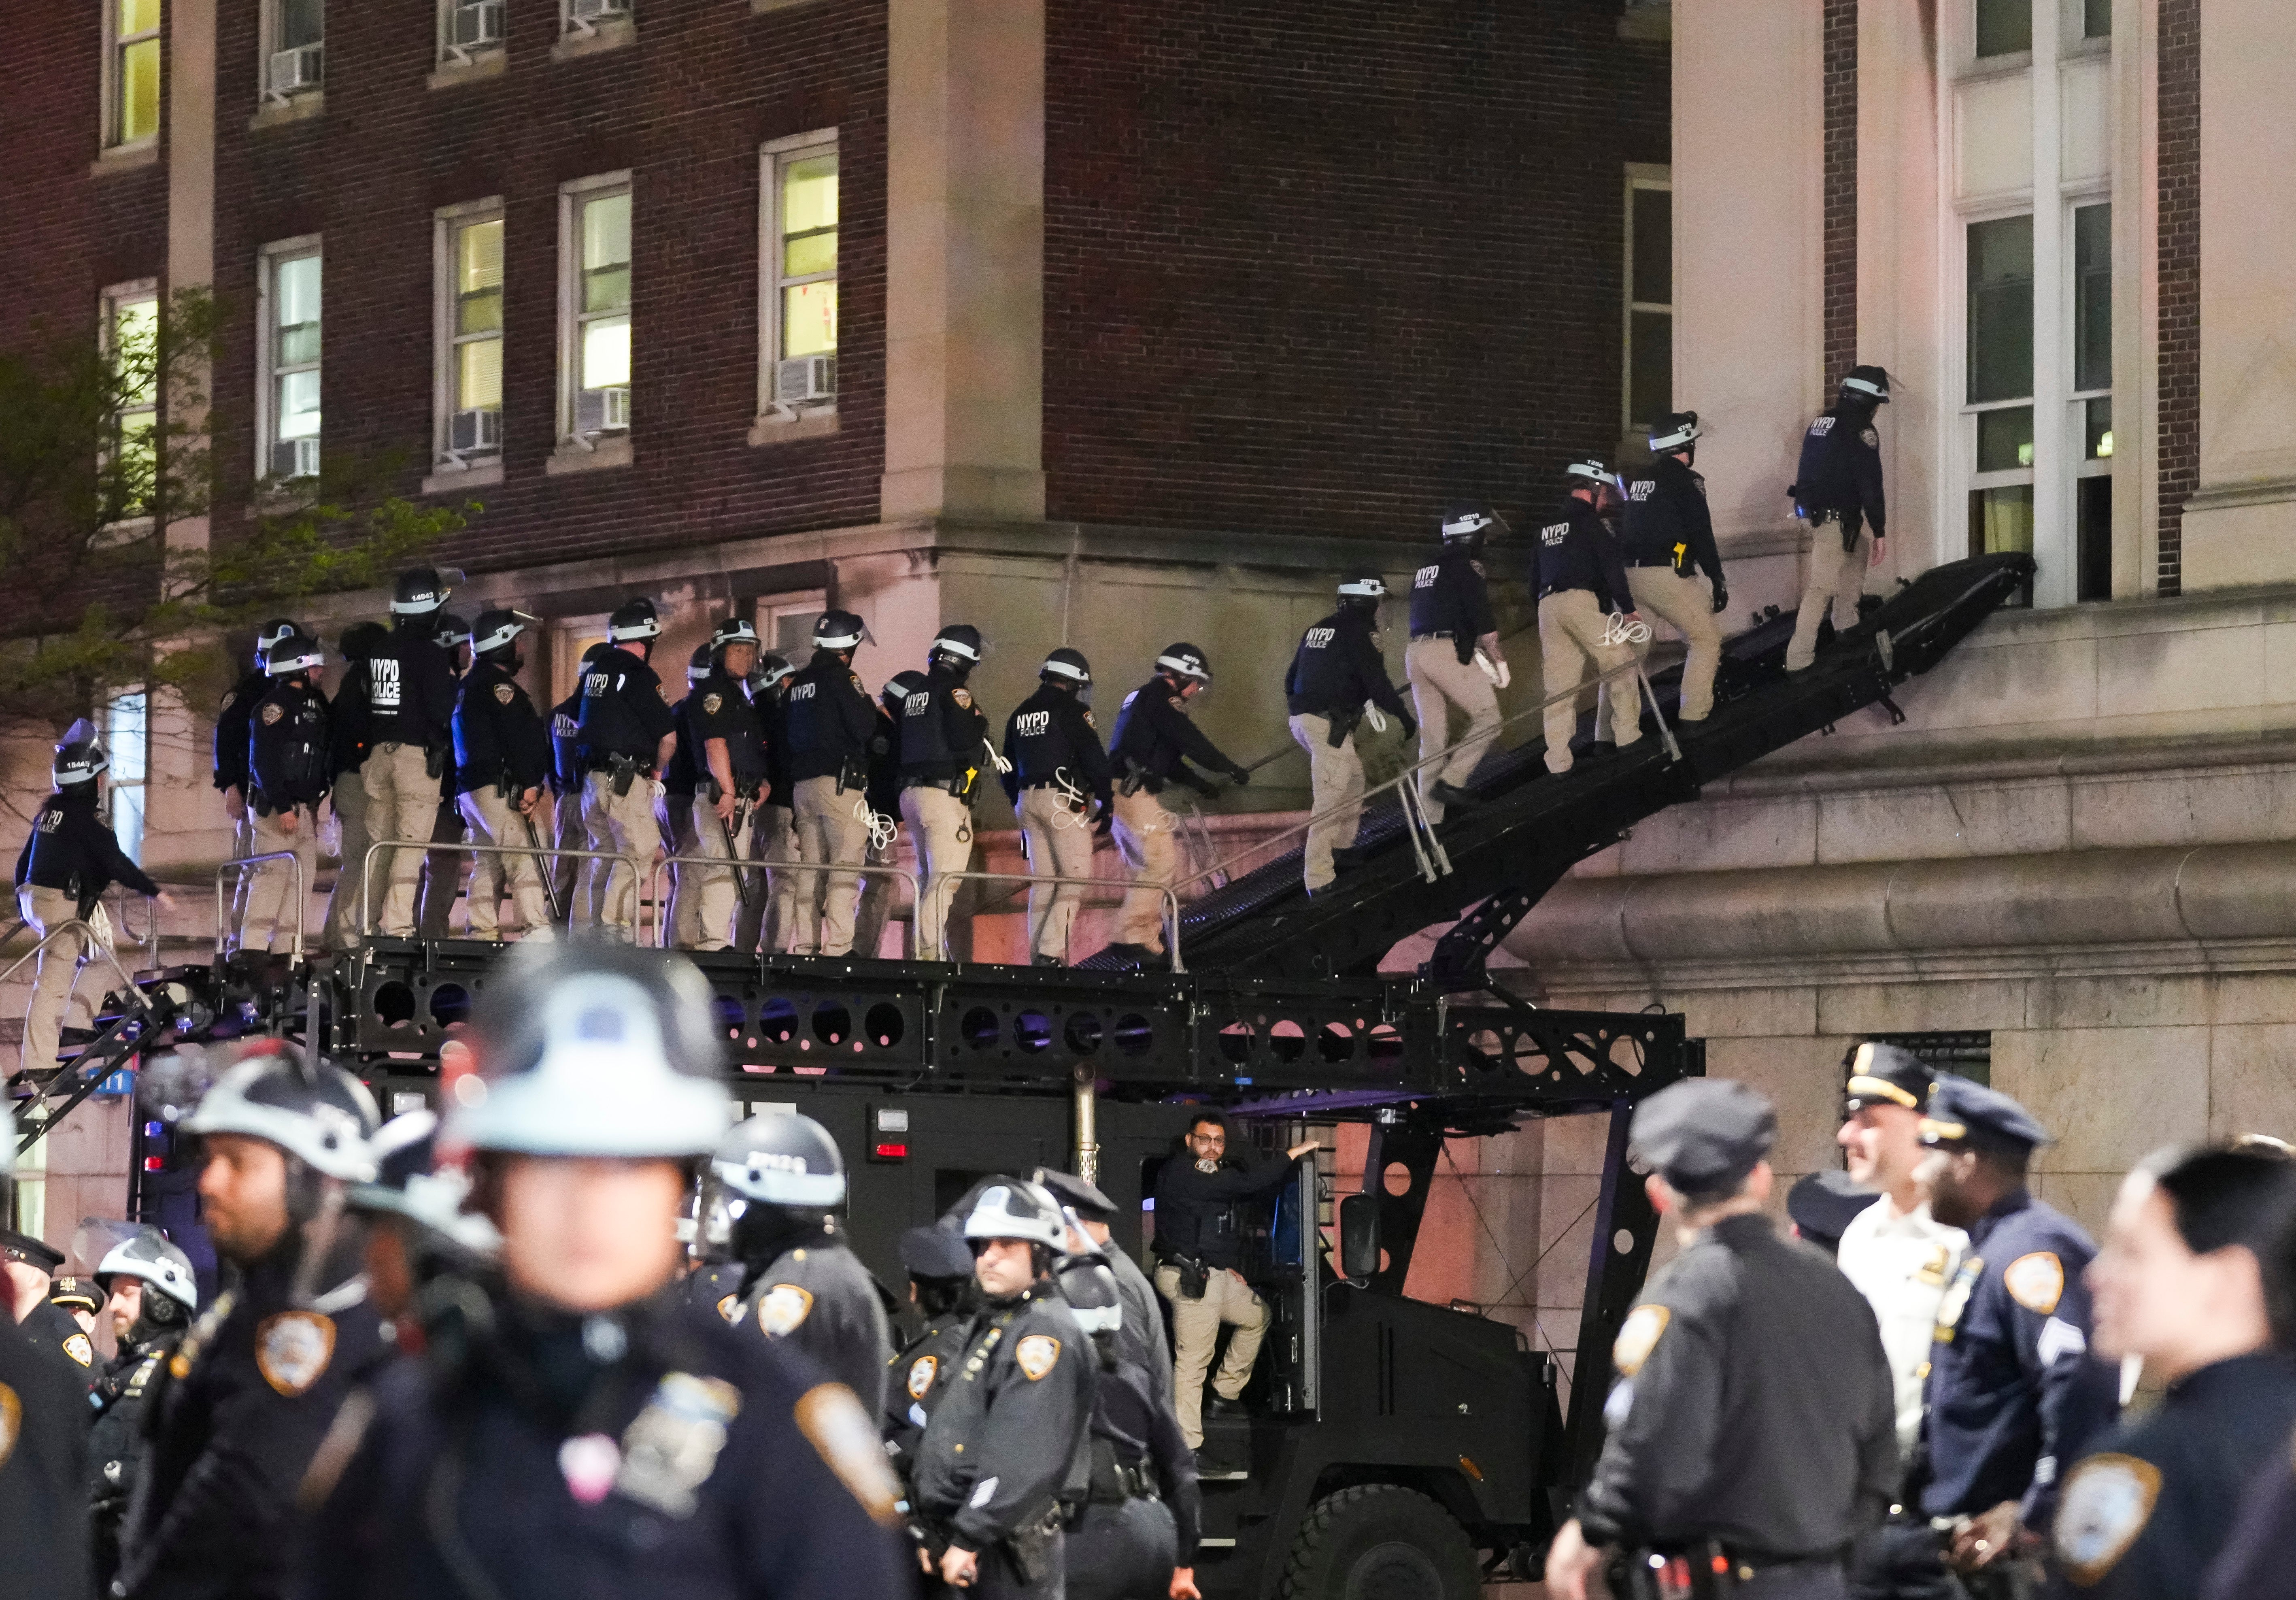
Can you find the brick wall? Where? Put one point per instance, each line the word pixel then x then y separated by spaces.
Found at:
pixel 2179 245
pixel 1841 75
pixel 1319 268
pixel 685 108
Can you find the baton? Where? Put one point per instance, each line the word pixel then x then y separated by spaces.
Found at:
pixel 542 864
pixel 741 883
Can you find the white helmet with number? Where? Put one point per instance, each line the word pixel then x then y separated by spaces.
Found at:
pixel 780 1158
pixel 148 1255
pixel 1014 1209
pixel 324 1118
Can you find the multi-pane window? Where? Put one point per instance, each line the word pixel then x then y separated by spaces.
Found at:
pixel 133 115
pixel 2091 395
pixel 291 351
pixel 2005 26
pixel 800 273
pixel 2096 19
pixel 131 346
pixel 598 353
pixel 126 727
pixel 296 59
pixel 587 16
pixel 469 29
pixel 2000 393
pixel 471 335
pixel 1649 386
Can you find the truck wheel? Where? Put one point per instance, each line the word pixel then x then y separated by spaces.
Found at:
pixel 1377 1541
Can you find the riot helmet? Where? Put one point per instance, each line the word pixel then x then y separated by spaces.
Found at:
pixel 633 620
pixel 700 664
pixel 171 1288
pixel 1678 431
pixel 1866 386
pixel 1186 661
pixel 80 755
pixel 592 652
pixel 1469 523
pixel 407 1184
pixel 419 592
pixel 900 688
pixel 956 649
pixel 452 631
pixel 269 634
pixel 734 631
pixel 838 630
pixel 780 1175
pixel 1587 473
pixel 498 631
pixel 1090 1288
pixel 294 654
pixel 1011 1208
pixel 768 673
pixel 361 640
pixel 1067 668
pixel 321 1117
pixel 1362 591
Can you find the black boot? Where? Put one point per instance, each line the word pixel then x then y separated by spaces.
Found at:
pixel 1453 797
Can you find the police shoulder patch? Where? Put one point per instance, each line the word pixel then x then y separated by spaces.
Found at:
pixel 1873 439
pixel 271 713
pixel 1089 723
pixel 2107 1501
pixel 730 1308
pixel 1036 1355
pixel 1479 568
pixel 2037 1282
pixel 835 1424
pixel 81 1350
pixel 1638 1337
pixel 230 699
pixel 1177 703
pixel 711 704
pixel 923 1371
pixel 11 1422
pixel 292 1349
pixel 504 693
pixel 783 1308
pixel 962 697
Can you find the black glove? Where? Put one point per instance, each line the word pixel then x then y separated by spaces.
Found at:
pixel 1239 776
pixel 1410 726
pixel 1721 596
pixel 1201 785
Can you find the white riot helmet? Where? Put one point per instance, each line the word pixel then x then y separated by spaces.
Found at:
pixel 1588 470
pixel 147 1254
pixel 1679 432
pixel 1188 662
pixel 407 1183
pixel 1089 1287
pixel 1013 1209
pixel 322 1117
pixel 782 1159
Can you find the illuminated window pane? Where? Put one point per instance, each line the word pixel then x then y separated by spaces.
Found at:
pixel 139 91
pixel 606 289
pixel 2097 442
pixel 299 406
pixel 809 319
pixel 606 353
pixel 2001 520
pixel 2004 440
pixel 138 16
pixel 480 313
pixel 606 232
pixel 136 459
pixel 134 345
pixel 813 253
pixel 478 375
pixel 295 307
pixel 810 194
pixel 479 256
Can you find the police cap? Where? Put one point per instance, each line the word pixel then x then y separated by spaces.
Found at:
pixel 1822 1204
pixel 76 1295
pixel 1704 1135
pixel 1883 1074
pixel 33 1252
pixel 1081 1197
pixel 1970 1114
pixel 936 1253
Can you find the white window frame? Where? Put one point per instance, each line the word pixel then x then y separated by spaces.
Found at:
pixel 115 81
pixel 451 55
pixel 1640 175
pixel 572 317
pixel 622 14
pixel 445 343
pixel 267 371
pixel 807 603
pixel 774 159
pixel 126 791
pixel 267 45
pixel 108 302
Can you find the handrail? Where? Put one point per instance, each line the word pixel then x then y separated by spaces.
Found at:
pixel 1171 900
pixel 472 847
pixel 95 942
pixel 239 865
pixel 662 929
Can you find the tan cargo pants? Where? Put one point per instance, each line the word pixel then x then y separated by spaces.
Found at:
pixel 1833 580
pixel 1195 1329
pixel 492 819
pixel 715 892
pixel 782 920
pixel 349 801
pixel 402 802
pixel 1571 628
pixel 674 816
pixel 940 826
pixel 568 869
pixel 624 824
pixel 242 846
pixel 1686 605
pixel 58 974
pixel 1336 780
pixel 1440 684
pixel 272 915
pixel 830 833
pixel 879 890
pixel 1058 839
pixel 1147 836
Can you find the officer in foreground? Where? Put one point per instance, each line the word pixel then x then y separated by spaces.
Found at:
pixel 832 721
pixel 29 1266
pixel 44 1533
pixel 1060 782
pixel 288 757
pixel 2258 1560
pixel 1837 492
pixel 502 762
pixel 1155 739
pixel 348 737
pixel 729 772
pixel 942 1289
pixel 69 860
pixel 2180 1282
pixel 1337 678
pixel 1008 1439
pixel 784 1183
pixel 626 738
pixel 1584 608
pixel 944 745
pixel 1454 662
pixel 1668 545
pixel 1750 1427
pixel 1141 1339
pixel 150 1294
pixel 408 685
pixel 574 1425
pixel 2014 1394
pixel 255 1384
pixel 233 719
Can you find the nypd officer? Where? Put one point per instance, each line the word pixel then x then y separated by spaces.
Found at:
pixel 566 783
pixel 289 746
pixel 232 717
pixel 626 738
pixel 773 824
pixel 79 1298
pixel 832 721
pixel 408 684
pixel 151 1297
pixel 1141 1339
pixel 44 1532
pixel 1582 589
pixel 941 1288
pixel 2015 1395
pixel 1751 1426
pixel 574 1424
pixel 28 1268
pixel 442 870
pixel 674 812
pixel 1454 662
pixel 2180 1283
pixel 1336 675
pixel 502 761
pixel 1155 741
pixel 347 748
pixel 784 1183
pixel 1009 1438
pixel 1059 781
pixel 881 811
pixel 1837 492
pixel 1670 557
pixel 943 745
pixel 729 772
pixel 69 860
pixel 255 1384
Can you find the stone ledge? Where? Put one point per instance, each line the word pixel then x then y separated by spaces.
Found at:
pixel 126 158
pixel 2224 496
pixel 778 428
pixel 612 34
pixel 452 74
pixel 603 456
pixel 453 481
pixel 297 108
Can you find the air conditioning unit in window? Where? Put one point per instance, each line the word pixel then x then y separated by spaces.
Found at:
pixel 295 458
pixel 602 410
pixel 596 10
pixel 293 72
pixel 474 432
pixel 475 26
pixel 805 378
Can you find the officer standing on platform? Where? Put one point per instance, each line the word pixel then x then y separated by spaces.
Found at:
pixel 502 761
pixel 767 918
pixel 576 1425
pixel 44 1532
pixel 1454 661
pixel 231 721
pixel 1336 673
pixel 783 1182
pixel 69 860
pixel 1582 587
pixel 566 780
pixel 152 1295
pixel 347 748
pixel 1751 1426
pixel 881 802
pixel 2014 1394
pixel 729 770
pixel 1009 1436
pixel 1669 539
pixel 675 813
pixel 1058 778
pixel 256 1382
pixel 1155 741
pixel 626 738
pixel 941 1288
pixel 442 870
pixel 831 720
pixel 409 683
pixel 943 745
pixel 1837 493
pixel 289 751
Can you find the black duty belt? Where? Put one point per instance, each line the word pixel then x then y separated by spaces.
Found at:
pixel 1440 633
pixel 1640 562
pixel 644 766
pixel 946 785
